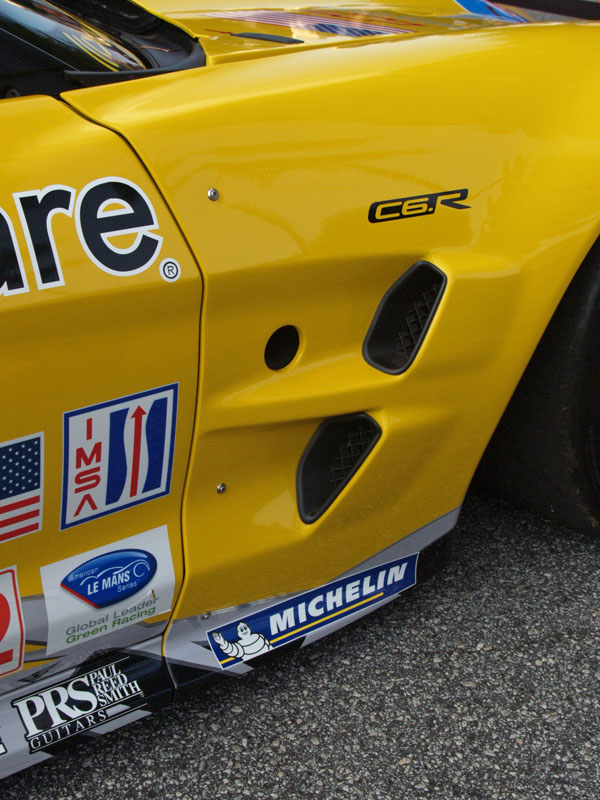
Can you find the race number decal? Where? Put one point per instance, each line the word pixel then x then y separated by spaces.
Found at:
pixel 12 636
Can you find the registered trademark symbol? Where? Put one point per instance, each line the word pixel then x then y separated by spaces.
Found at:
pixel 170 270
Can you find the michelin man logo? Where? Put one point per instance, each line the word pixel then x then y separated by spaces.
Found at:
pixel 248 644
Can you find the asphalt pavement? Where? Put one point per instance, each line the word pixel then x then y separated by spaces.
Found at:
pixel 483 683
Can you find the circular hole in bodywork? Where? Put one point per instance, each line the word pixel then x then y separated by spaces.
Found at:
pixel 282 347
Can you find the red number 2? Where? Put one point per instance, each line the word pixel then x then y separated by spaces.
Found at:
pixel 7 655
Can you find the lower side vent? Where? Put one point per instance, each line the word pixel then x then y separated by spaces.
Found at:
pixel 403 317
pixel 335 452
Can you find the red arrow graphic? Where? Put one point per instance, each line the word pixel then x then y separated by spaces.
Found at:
pixel 138 415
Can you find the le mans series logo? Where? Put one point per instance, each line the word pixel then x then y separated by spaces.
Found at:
pixel 111 577
pixel 78 704
pixel 118 454
pixel 107 589
pixel 291 619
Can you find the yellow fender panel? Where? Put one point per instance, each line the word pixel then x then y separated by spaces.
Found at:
pixel 299 154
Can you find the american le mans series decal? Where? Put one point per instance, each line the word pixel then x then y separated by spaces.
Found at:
pixel 418 205
pixel 21 486
pixel 104 590
pixel 291 619
pixel 106 579
pixel 118 454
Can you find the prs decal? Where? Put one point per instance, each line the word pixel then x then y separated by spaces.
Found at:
pixel 12 636
pixel 79 704
pixel 418 205
pixel 104 210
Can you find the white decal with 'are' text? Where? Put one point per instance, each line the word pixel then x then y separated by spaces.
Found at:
pixel 104 210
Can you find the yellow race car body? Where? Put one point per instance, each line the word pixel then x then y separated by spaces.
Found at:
pixel 212 444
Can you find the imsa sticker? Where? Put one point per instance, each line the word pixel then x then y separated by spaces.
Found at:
pixel 104 590
pixel 118 454
pixel 291 619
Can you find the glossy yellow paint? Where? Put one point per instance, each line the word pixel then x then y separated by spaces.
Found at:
pixel 299 149
pixel 181 9
pixel 221 28
pixel 98 337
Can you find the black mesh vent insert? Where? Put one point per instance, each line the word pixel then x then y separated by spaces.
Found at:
pixel 403 317
pixel 333 455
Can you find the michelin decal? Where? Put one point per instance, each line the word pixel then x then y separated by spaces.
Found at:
pixel 258 633
pixel 109 588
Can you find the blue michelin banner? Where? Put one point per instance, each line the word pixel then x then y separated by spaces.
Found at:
pixel 291 619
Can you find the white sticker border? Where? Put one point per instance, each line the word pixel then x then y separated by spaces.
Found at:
pixel 52 591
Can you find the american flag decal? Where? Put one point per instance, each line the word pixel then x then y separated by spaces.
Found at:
pixel 21 486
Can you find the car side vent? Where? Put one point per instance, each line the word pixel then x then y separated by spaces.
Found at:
pixel 334 454
pixel 403 317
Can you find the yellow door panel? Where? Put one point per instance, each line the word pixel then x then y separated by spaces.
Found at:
pixel 99 315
